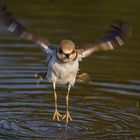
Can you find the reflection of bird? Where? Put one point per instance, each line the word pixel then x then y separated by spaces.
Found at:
pixel 63 61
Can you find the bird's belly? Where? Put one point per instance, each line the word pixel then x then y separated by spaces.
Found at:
pixel 63 73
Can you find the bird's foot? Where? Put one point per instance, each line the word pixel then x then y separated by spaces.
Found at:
pixel 57 115
pixel 40 77
pixel 83 78
pixel 67 117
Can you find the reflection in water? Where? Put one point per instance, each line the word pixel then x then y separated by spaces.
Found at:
pixel 105 108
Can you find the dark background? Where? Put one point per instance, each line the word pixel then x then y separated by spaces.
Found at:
pixel 105 108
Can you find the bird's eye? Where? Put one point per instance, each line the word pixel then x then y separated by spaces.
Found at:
pixel 73 51
pixel 60 51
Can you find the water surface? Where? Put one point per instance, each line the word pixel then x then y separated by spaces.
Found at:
pixel 108 107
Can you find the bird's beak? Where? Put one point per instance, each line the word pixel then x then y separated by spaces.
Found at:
pixel 67 56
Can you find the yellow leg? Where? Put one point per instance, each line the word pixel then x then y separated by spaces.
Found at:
pixel 67 115
pixel 56 113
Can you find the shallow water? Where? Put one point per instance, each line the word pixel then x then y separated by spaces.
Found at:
pixel 108 107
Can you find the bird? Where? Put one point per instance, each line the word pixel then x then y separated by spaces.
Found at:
pixel 63 60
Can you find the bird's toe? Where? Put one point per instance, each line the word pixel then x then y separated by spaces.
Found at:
pixel 67 117
pixel 57 115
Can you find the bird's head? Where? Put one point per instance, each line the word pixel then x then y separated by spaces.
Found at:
pixel 66 51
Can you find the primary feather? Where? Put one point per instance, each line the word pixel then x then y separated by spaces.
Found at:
pixel 112 39
pixel 17 27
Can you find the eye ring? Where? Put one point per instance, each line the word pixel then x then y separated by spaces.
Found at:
pixel 73 52
pixel 60 51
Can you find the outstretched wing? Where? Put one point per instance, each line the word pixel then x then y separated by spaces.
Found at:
pixel 15 26
pixel 112 39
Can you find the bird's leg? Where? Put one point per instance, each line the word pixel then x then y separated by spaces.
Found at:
pixel 56 113
pixel 67 115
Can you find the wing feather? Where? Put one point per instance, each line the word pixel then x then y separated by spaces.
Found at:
pixel 17 27
pixel 112 39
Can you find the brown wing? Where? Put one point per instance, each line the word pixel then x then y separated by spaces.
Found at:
pixel 15 26
pixel 112 39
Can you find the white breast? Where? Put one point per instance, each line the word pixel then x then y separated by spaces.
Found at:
pixel 62 73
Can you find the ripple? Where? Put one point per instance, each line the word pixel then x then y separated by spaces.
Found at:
pixel 119 88
pixel 106 108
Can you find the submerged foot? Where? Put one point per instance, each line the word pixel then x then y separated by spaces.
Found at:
pixel 67 117
pixel 57 115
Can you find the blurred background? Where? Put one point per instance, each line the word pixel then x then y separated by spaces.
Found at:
pixel 108 107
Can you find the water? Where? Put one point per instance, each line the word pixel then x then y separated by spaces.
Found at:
pixel 106 108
